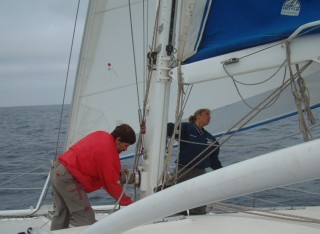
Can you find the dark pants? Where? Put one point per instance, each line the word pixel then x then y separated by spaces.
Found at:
pixel 191 174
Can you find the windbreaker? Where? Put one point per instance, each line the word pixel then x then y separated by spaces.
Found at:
pixel 194 142
pixel 94 162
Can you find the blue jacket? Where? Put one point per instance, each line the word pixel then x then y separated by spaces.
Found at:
pixel 188 151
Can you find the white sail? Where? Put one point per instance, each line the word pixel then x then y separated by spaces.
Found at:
pixel 111 66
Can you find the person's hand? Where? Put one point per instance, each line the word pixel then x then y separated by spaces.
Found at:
pixel 124 171
pixel 123 175
pixel 126 177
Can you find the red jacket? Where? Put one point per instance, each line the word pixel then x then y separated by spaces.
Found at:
pixel 94 162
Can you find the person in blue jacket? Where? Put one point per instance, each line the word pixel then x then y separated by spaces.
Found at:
pixel 194 139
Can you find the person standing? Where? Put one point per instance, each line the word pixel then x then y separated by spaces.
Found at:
pixel 194 139
pixel 91 163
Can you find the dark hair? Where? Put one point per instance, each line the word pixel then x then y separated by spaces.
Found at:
pixel 193 117
pixel 125 132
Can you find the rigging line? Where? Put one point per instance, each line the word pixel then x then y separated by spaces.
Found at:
pixel 20 175
pixel 263 200
pixel 183 96
pixel 170 143
pixel 299 35
pixel 140 142
pixel 144 43
pixel 45 191
pixel 305 96
pixel 178 117
pixel 186 169
pixel 254 143
pixel 266 213
pixel 258 83
pixel 258 111
pixel 258 51
pixel 267 142
pixel 146 95
pixel 134 54
pixel 150 66
pixel 301 191
pixel 306 32
pixel 145 40
pixel 67 77
pixel 239 93
pixel 140 116
pixel 120 197
pixel 21 188
pixel 297 98
pixel 147 89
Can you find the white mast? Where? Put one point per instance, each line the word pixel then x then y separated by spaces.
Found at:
pixel 157 106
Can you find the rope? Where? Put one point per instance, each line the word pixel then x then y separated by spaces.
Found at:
pixel 266 102
pixel 272 214
pixel 117 204
pixel 140 143
pixel 301 191
pixel 21 175
pixel 258 83
pixel 305 97
pixel 299 99
pixel 178 118
pixel 67 77
pixel 267 142
pixel 134 53
pixel 274 98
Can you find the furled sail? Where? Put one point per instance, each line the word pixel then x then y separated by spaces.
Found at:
pixel 236 25
pixel 240 57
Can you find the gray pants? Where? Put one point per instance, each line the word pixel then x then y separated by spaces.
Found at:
pixel 71 202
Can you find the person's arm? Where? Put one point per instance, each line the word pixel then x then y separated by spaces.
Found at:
pixel 109 172
pixel 184 131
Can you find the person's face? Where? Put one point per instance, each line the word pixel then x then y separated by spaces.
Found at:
pixel 204 118
pixel 121 146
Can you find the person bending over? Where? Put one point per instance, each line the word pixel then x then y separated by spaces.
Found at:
pixel 91 163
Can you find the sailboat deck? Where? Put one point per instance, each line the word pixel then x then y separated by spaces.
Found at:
pixel 235 223
pixel 220 223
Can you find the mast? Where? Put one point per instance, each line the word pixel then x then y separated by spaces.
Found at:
pixel 157 104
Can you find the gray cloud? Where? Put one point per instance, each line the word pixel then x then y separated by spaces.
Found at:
pixel 34 50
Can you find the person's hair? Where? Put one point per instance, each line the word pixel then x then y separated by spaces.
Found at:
pixel 193 117
pixel 125 132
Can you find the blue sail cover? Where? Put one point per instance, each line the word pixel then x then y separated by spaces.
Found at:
pixel 235 25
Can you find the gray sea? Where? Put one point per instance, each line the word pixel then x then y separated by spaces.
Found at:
pixel 30 138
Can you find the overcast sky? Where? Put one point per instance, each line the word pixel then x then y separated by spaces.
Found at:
pixel 35 43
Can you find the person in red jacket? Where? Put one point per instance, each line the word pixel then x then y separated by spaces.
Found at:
pixel 88 165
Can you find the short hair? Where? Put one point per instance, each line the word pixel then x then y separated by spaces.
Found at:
pixel 125 132
pixel 193 117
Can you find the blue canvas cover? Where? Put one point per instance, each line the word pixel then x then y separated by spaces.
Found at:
pixel 238 24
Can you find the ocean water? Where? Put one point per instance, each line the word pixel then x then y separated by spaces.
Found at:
pixel 30 138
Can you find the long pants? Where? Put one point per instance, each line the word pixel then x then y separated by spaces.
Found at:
pixel 70 200
pixel 191 174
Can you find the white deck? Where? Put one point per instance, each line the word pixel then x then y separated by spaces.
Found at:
pixel 226 223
